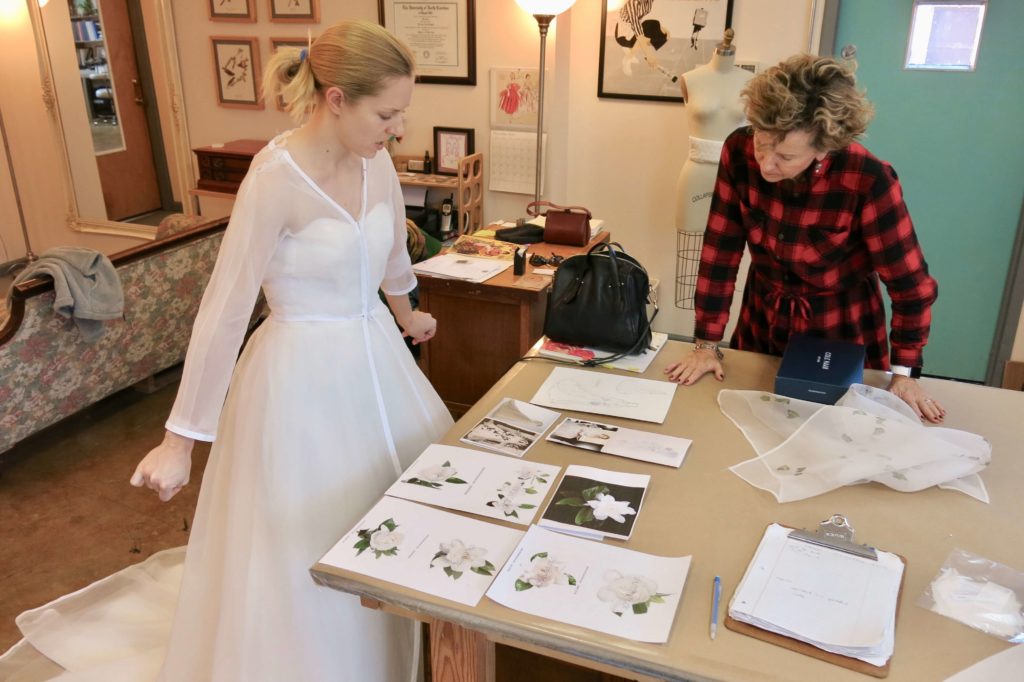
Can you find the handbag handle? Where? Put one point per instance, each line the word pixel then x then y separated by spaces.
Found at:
pixel 533 209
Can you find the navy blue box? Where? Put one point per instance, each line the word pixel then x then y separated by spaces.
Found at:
pixel 819 370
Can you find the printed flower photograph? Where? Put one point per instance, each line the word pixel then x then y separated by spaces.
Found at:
pixel 509 498
pixel 382 540
pixel 605 507
pixel 529 477
pixel 629 592
pixel 543 571
pixel 456 557
pixel 436 476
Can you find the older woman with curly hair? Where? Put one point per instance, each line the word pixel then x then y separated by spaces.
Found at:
pixel 824 220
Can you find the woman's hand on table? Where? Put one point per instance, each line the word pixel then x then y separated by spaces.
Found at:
pixel 913 394
pixel 692 367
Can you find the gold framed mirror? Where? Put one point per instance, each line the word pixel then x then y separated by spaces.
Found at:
pixel 92 97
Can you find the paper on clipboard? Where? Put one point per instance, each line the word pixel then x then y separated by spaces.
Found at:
pixel 833 600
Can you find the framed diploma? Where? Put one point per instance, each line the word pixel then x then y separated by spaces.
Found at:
pixel 440 33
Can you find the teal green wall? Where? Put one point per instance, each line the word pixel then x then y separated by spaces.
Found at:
pixel 957 142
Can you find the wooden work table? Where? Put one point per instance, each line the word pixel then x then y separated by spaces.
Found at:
pixel 703 510
pixel 482 329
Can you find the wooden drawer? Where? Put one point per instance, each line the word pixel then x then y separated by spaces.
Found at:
pixel 221 168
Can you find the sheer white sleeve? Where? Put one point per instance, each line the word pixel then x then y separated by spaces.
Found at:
pixel 256 226
pixel 398 275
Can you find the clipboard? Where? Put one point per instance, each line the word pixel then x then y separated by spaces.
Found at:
pixel 837 534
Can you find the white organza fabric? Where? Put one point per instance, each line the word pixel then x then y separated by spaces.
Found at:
pixel 806 449
pixel 324 408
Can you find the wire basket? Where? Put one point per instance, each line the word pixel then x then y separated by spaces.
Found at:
pixel 688 246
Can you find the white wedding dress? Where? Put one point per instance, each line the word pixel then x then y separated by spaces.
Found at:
pixel 326 406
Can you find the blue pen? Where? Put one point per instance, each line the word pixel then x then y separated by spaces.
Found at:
pixel 716 593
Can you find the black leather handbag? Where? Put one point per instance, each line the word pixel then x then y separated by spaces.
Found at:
pixel 599 300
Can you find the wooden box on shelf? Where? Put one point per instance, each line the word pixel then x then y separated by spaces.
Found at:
pixel 222 167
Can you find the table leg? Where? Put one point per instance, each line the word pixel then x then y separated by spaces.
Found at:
pixel 458 654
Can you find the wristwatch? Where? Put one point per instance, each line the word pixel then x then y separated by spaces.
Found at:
pixel 709 345
pixel 904 371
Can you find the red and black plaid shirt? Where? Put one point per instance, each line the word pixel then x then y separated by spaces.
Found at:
pixel 818 246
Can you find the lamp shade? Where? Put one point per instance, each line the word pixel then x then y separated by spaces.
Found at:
pixel 545 7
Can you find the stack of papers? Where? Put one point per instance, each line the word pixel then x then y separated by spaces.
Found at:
pixel 458 266
pixel 638 362
pixel 836 601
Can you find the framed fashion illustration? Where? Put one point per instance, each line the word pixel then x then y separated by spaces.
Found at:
pixel 442 36
pixel 450 145
pixel 236 61
pixel 646 45
pixel 232 10
pixel 514 98
pixel 299 11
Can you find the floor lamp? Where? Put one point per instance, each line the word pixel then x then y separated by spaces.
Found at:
pixel 544 11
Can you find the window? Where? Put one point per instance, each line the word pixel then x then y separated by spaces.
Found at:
pixel 944 35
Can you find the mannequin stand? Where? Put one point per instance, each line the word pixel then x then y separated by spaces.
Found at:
pixel 688 246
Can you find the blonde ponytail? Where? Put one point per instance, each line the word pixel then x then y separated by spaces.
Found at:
pixel 289 75
pixel 356 56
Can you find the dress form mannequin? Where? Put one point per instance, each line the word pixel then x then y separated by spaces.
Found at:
pixel 711 93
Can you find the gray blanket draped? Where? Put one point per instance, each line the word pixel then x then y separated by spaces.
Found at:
pixel 86 287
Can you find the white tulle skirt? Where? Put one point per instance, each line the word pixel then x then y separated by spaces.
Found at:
pixel 303 451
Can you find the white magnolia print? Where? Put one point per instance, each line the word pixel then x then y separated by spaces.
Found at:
pixel 629 592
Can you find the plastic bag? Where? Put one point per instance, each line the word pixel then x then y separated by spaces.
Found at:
pixel 980 593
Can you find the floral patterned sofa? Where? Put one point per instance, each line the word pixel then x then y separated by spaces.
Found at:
pixel 48 373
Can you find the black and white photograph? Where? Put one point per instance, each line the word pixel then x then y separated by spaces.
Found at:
pixel 501 437
pixel 233 10
pixel 511 427
pixel 298 11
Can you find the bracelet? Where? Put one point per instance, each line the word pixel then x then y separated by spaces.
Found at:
pixel 904 371
pixel 708 345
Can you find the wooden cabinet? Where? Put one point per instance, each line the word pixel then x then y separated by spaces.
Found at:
pixel 482 329
pixel 221 168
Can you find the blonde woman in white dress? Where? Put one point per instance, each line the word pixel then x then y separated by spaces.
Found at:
pixel 323 410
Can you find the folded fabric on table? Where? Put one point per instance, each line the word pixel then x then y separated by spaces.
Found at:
pixel 805 449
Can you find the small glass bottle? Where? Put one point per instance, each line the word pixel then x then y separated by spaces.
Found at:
pixel 427 167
